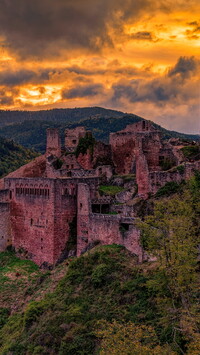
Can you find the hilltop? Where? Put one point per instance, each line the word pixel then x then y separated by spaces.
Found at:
pixel 29 127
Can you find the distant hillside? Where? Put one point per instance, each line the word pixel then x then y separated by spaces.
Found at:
pixel 29 128
pixel 12 156
pixel 65 115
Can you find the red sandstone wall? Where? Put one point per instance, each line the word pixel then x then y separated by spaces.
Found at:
pixel 64 212
pixel 85 160
pixel 41 210
pixel 53 145
pixel 123 156
pixel 157 179
pixel 83 211
pixel 32 218
pixel 142 175
pixel 102 154
pixel 5 233
pixel 102 228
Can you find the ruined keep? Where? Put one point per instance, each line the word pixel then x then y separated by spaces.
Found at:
pixel 57 205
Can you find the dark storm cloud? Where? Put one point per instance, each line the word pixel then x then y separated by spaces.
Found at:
pixel 161 90
pixel 142 91
pixel 82 91
pixel 43 26
pixel 24 76
pixel 185 67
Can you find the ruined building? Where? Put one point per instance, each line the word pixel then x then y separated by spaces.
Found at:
pixel 57 205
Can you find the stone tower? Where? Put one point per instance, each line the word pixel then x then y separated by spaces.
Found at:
pixel 53 146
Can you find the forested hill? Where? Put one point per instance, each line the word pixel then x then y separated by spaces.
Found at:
pixel 12 156
pixel 29 128
pixel 65 115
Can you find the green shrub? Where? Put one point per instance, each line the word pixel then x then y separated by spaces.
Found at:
pixel 33 311
pixel 181 169
pixel 168 189
pixel 191 152
pixel 99 275
pixel 167 164
pixel 4 315
pixel 84 144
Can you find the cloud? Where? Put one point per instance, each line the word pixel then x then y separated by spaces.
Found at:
pixel 162 90
pixel 43 27
pixel 194 33
pixel 143 35
pixel 20 77
pixel 185 67
pixel 82 91
pixel 7 97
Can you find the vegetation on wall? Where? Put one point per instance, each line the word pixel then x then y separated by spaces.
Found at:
pixel 169 188
pixel 167 164
pixel 85 143
pixel 110 190
pixel 191 152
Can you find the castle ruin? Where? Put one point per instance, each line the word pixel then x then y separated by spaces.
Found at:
pixel 53 207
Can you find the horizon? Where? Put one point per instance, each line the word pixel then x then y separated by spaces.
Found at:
pixel 136 57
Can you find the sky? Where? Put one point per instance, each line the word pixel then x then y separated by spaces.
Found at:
pixel 136 56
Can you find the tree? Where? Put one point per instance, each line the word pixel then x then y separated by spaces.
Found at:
pixel 172 235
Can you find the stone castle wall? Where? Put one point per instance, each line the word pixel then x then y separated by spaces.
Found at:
pixel 53 145
pixel 5 235
pixel 104 229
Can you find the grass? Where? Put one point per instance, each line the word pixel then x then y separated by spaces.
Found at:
pixel 110 190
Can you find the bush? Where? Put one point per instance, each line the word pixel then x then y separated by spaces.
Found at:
pixel 168 189
pixel 191 152
pixel 84 144
pixel 99 275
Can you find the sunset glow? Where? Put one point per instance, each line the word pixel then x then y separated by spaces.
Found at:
pixel 141 57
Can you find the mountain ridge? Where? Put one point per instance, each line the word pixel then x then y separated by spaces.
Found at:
pixel 28 128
